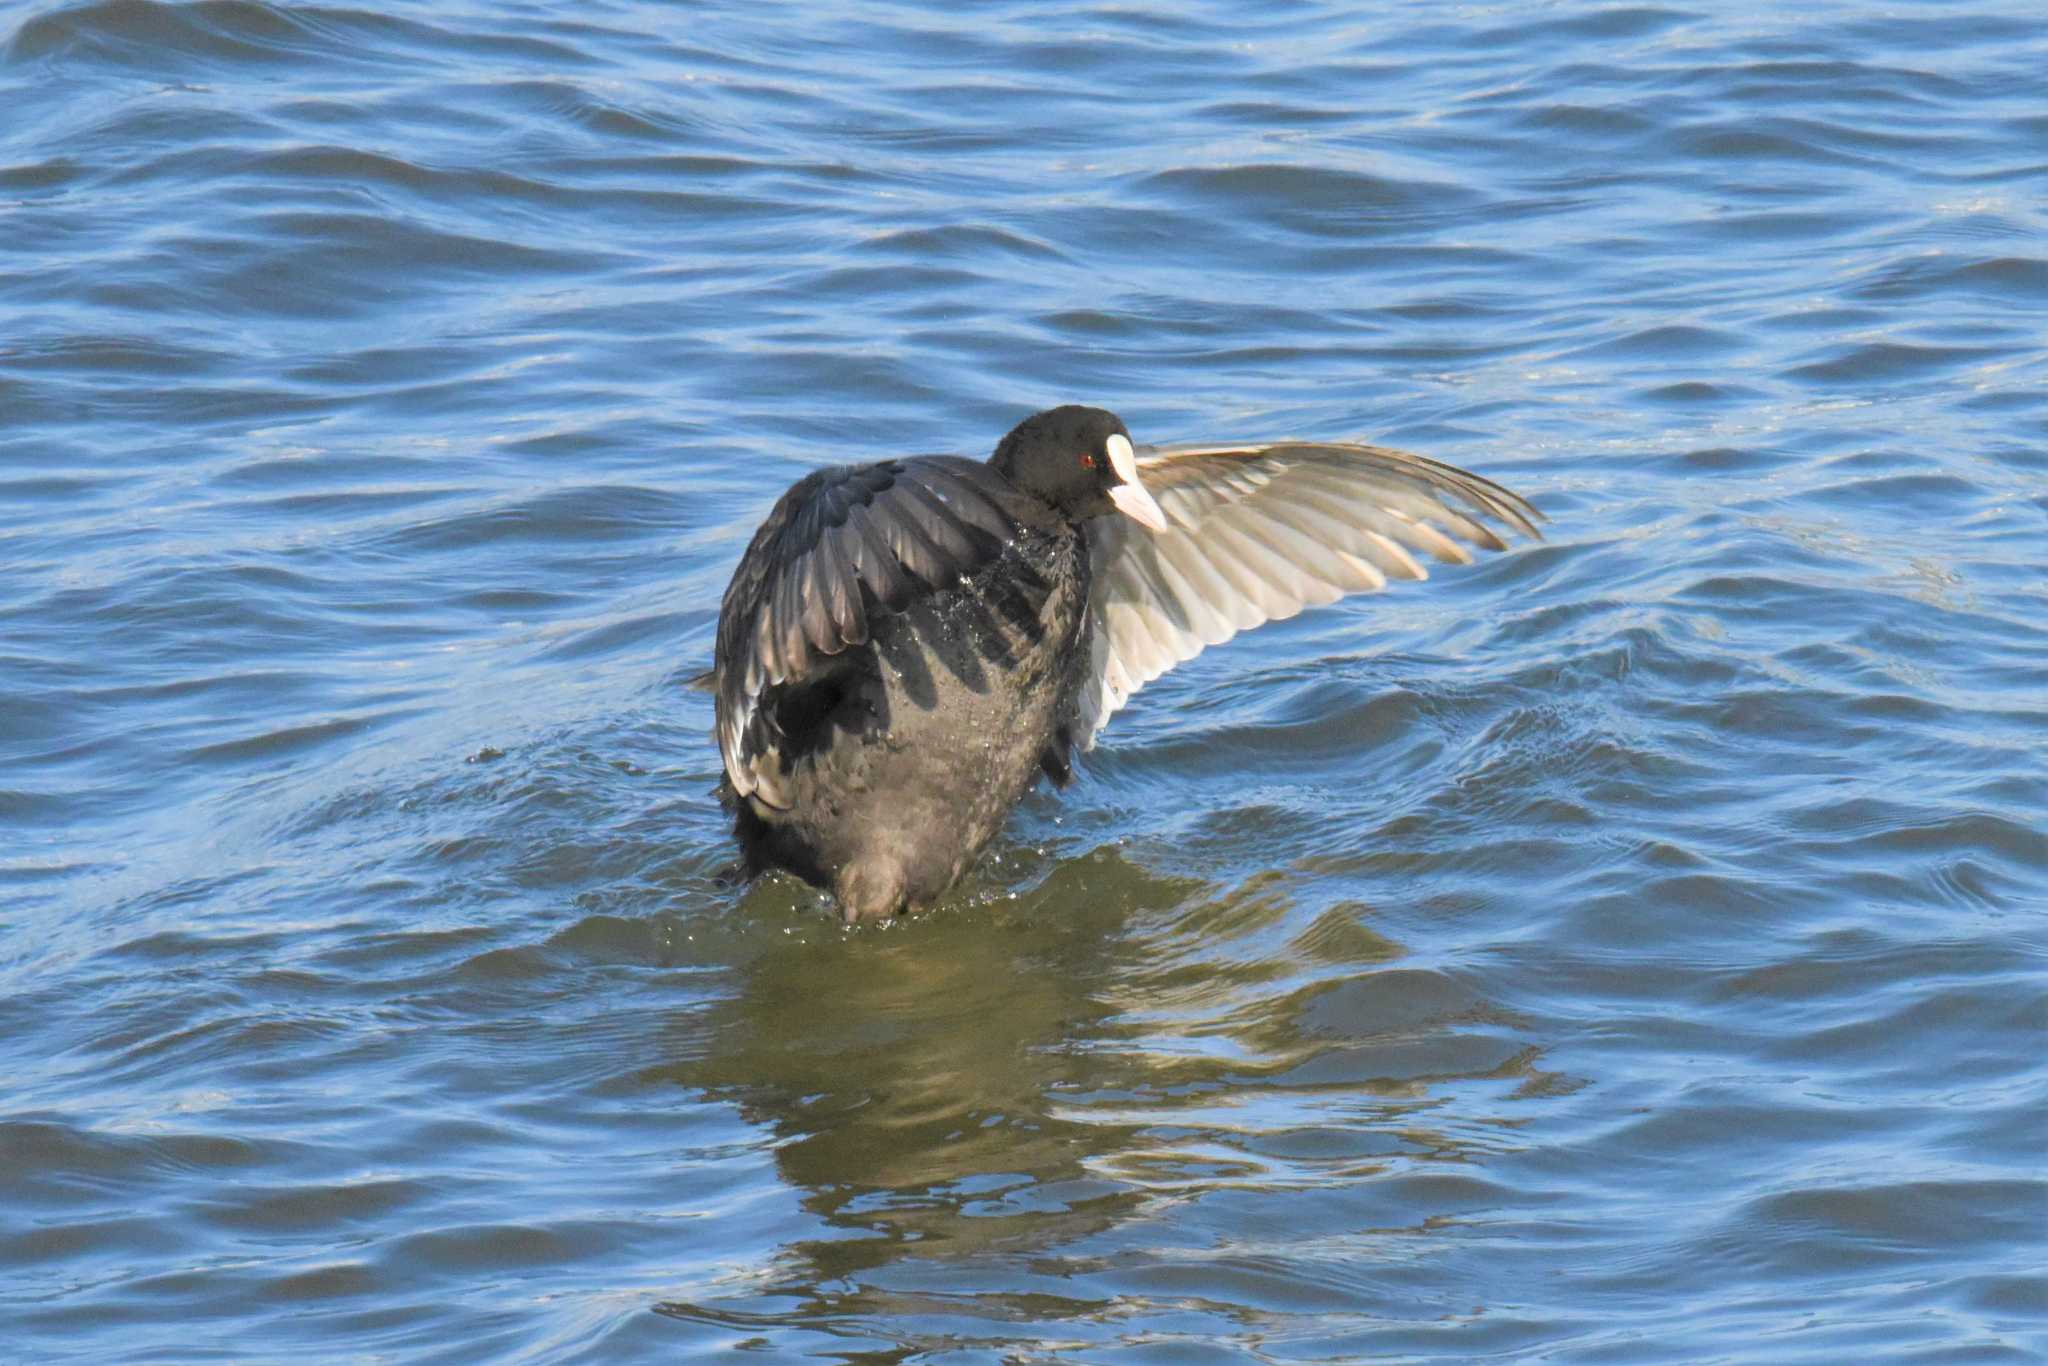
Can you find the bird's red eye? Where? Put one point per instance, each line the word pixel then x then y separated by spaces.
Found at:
pixel 1087 460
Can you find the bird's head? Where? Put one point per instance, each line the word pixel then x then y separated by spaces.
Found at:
pixel 1081 461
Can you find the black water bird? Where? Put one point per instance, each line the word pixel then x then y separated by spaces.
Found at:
pixel 907 646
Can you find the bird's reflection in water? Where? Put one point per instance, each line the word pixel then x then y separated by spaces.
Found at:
pixel 911 1075
pixel 997 1085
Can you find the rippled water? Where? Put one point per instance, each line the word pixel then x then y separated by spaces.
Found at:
pixel 1629 947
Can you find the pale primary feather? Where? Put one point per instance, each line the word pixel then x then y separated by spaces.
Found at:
pixel 1256 533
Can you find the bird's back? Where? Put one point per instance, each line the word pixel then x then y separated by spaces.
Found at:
pixel 882 768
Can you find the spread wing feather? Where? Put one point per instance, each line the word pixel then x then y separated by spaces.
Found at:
pixel 1256 532
pixel 841 546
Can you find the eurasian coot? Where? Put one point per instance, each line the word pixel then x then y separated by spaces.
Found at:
pixel 906 646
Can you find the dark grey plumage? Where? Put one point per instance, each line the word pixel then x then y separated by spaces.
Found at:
pixel 906 646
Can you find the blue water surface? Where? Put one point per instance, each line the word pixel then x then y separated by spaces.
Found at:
pixel 1627 948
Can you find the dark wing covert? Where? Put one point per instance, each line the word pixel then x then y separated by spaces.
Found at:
pixel 844 544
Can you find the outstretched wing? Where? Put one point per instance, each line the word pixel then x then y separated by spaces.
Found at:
pixel 1255 533
pixel 842 545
